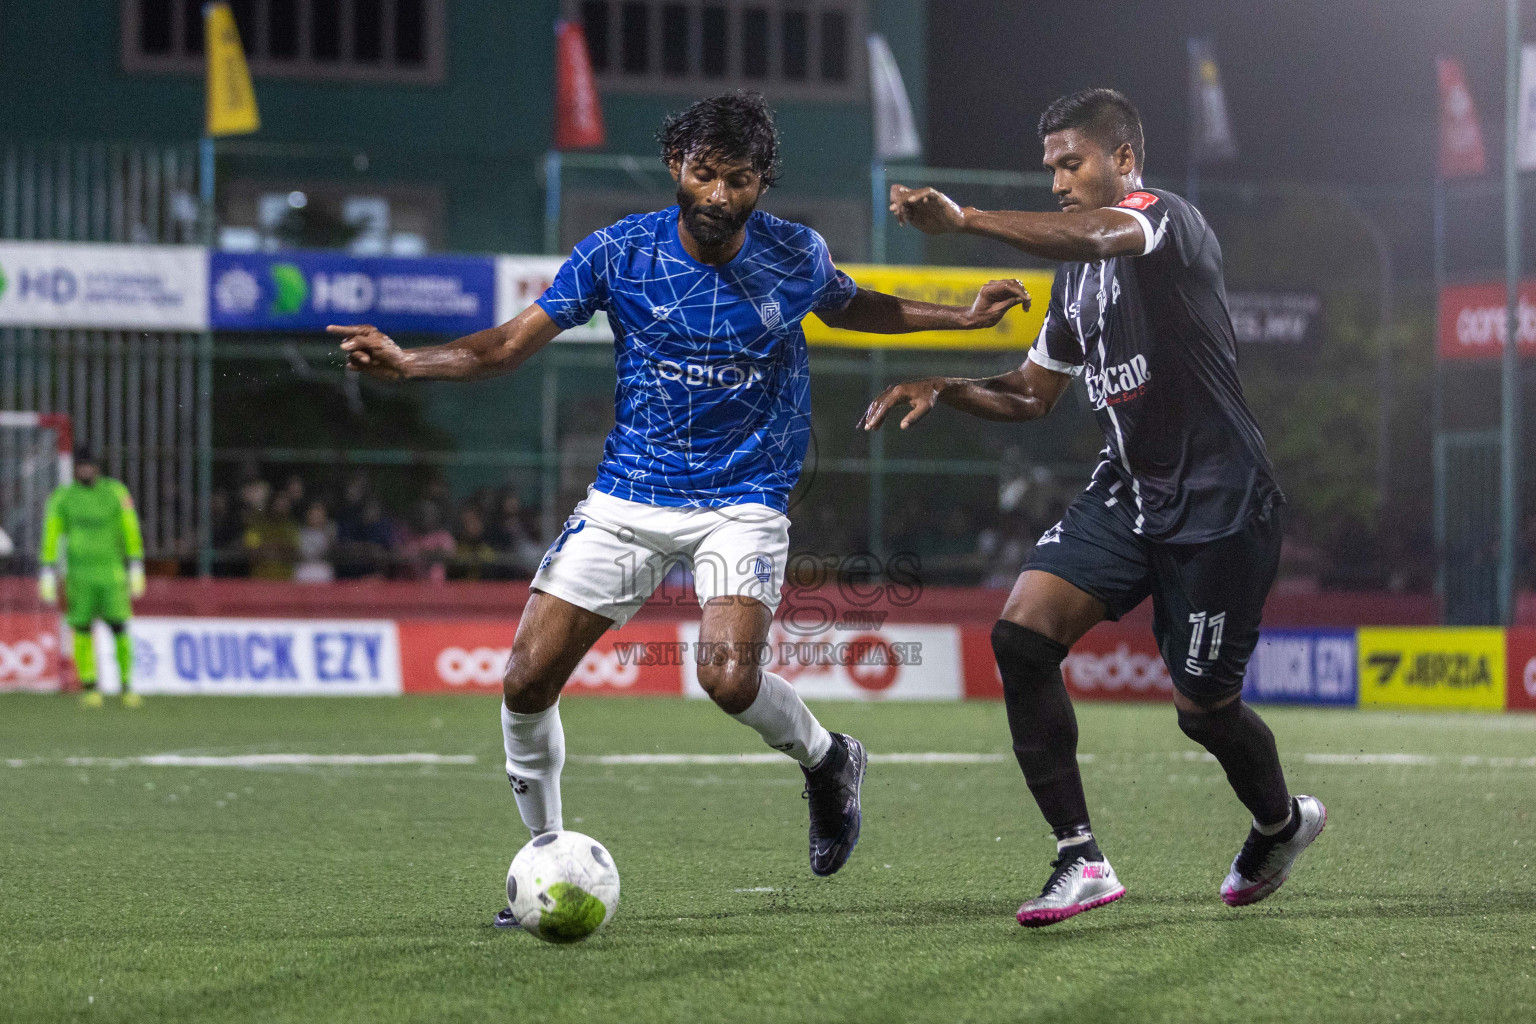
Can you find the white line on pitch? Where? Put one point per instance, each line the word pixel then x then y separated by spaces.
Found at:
pixel 727 759
pixel 1468 761
pixel 926 757
pixel 247 760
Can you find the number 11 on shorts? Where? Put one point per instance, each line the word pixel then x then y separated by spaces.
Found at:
pixel 1199 624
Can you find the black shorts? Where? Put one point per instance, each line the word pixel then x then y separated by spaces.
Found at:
pixel 1207 599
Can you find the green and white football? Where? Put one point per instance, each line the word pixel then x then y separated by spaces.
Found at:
pixel 562 886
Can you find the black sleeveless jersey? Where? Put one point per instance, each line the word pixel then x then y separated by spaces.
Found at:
pixel 1153 340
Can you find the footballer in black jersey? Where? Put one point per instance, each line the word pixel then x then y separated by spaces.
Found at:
pixel 1183 507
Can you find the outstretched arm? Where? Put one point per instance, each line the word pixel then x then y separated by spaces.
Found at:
pixel 1019 395
pixel 878 313
pixel 487 353
pixel 1092 235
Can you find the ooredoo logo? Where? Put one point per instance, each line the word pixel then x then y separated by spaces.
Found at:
pixel 484 666
pixel 26 661
pixel 874 666
pixel 1120 669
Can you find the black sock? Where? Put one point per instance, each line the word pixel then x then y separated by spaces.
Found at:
pixel 1245 748
pixel 1042 723
pixel 1285 834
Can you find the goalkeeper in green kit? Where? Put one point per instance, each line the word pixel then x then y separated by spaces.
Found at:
pixel 104 567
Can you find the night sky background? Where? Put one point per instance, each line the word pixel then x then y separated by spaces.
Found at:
pixel 1327 90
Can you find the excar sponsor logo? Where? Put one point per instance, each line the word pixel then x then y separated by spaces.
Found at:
pixel 1115 385
pixel 697 375
pixel 1457 670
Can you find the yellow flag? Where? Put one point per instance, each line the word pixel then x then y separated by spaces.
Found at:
pixel 231 100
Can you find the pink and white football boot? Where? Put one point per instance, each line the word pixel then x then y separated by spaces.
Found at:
pixel 1264 862
pixel 1082 880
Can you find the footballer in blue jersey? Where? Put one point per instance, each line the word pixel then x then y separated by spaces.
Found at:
pixel 712 413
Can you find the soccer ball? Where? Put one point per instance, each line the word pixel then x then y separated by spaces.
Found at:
pixel 562 886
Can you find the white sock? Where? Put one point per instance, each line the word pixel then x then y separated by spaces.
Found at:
pixel 785 723
pixel 1272 830
pixel 1062 844
pixel 535 747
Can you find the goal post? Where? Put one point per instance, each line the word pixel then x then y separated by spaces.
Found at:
pixel 36 455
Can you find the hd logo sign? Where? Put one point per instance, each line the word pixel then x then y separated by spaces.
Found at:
pixel 1430 667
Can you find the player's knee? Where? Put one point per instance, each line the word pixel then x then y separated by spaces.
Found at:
pixel 1205 723
pixel 1026 658
pixel 730 684
pixel 528 685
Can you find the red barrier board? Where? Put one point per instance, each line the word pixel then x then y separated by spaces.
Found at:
pixel 1114 661
pixel 1520 650
pixel 29 651
pixel 469 656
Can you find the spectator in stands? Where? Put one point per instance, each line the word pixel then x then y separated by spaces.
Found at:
pixel 1002 549
pixel 227 531
pixel 514 539
pixel 473 556
pixel 364 543
pixel 317 538
pixel 427 546
pixel 272 540
pixel 354 497
pixel 296 491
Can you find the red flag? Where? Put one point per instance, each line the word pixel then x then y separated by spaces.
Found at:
pixel 578 114
pixel 1461 138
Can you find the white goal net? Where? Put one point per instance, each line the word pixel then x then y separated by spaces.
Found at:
pixel 35 457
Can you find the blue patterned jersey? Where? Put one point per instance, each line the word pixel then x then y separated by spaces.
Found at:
pixel 713 399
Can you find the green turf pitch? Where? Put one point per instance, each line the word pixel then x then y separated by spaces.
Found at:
pixel 132 892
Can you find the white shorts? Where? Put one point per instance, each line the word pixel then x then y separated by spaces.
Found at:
pixel 613 553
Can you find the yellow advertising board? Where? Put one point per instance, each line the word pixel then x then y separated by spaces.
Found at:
pixel 950 286
pixel 1433 667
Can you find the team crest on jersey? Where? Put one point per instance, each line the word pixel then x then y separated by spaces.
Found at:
pixel 661 312
pixel 773 318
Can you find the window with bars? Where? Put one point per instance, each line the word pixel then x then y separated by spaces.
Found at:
pixel 796 49
pixel 381 40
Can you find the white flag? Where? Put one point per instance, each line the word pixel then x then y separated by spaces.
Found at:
pixel 895 132
pixel 1526 139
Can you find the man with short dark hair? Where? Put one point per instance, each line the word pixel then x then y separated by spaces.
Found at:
pixel 1184 506
pixel 712 421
